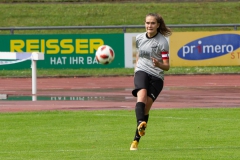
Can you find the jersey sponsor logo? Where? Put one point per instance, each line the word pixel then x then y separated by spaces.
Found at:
pixel 210 47
pixel 144 54
pixel 154 47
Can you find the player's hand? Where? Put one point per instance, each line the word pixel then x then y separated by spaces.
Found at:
pixel 155 62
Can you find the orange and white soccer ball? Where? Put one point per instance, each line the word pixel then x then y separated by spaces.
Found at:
pixel 105 54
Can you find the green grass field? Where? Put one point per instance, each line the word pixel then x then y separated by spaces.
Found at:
pixel 103 14
pixel 172 134
pixel 115 72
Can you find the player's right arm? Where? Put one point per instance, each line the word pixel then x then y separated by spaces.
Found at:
pixel 136 61
pixel 137 51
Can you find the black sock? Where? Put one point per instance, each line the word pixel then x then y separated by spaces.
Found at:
pixel 140 116
pixel 140 111
pixel 137 136
pixel 146 118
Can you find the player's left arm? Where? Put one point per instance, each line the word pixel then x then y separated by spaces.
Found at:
pixel 162 65
pixel 164 53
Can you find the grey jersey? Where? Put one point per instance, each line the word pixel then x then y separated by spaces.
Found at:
pixel 156 47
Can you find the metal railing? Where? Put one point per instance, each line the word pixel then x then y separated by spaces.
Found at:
pixel 108 1
pixel 123 27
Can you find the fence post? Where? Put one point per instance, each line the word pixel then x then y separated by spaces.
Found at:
pixel 235 27
pixel 12 31
pixel 124 29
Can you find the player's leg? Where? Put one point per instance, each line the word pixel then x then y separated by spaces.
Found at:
pixel 155 88
pixel 140 111
pixel 148 106
pixel 137 137
pixel 141 82
pixel 140 91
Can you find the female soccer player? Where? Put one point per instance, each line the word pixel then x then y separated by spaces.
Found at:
pixel 151 61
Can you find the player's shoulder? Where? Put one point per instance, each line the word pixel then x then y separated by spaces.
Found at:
pixel 141 36
pixel 161 37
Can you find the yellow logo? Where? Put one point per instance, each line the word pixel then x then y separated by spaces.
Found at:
pixel 56 46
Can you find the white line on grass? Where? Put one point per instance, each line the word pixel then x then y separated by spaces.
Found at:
pixel 159 117
pixel 119 149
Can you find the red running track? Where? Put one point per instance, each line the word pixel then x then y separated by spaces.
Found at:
pixel 89 93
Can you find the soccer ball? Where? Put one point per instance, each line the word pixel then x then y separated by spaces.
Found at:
pixel 105 54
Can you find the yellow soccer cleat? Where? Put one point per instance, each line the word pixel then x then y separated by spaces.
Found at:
pixel 134 146
pixel 141 128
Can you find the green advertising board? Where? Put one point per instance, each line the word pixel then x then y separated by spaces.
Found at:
pixel 72 51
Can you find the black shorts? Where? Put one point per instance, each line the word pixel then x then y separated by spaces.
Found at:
pixel 142 80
